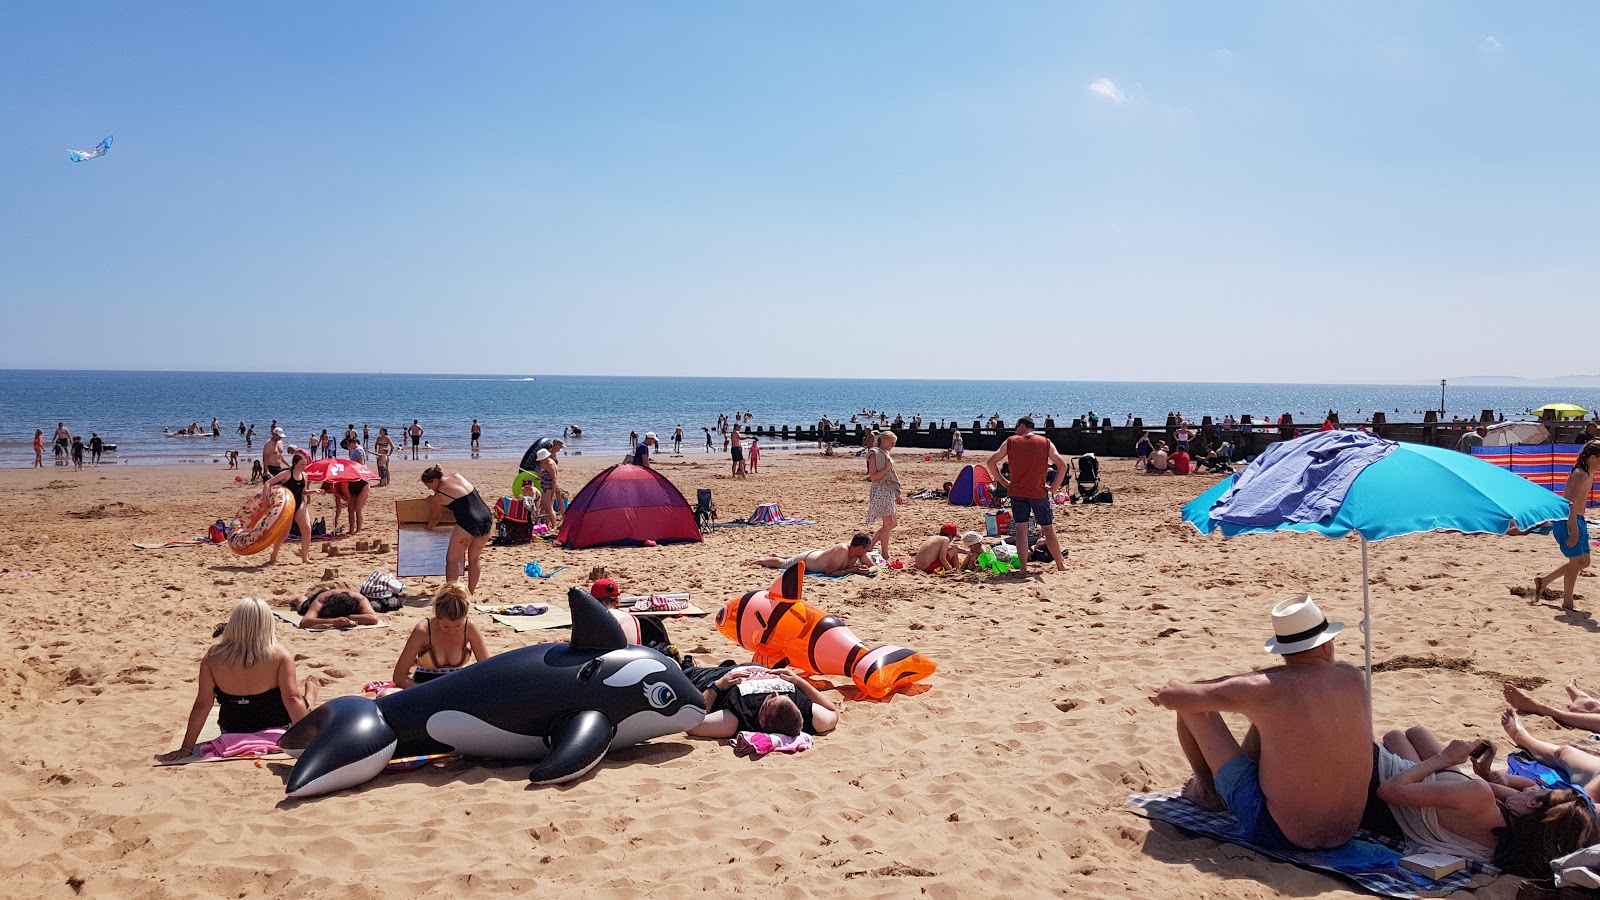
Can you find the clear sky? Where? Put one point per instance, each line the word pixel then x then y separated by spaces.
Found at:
pixel 1274 191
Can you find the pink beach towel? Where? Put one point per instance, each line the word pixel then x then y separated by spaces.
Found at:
pixel 230 746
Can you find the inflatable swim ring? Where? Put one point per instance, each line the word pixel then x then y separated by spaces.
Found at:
pixel 779 629
pixel 516 485
pixel 262 522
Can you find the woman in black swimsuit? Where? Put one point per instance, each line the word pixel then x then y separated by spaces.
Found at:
pixel 251 675
pixel 474 521
pixel 294 479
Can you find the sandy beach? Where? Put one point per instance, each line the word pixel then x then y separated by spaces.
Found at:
pixel 1007 776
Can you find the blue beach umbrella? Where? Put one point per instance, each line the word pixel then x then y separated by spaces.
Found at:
pixel 1337 482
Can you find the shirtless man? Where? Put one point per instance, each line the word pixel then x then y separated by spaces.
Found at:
pixel 843 558
pixel 272 453
pixel 942 551
pixel 1302 778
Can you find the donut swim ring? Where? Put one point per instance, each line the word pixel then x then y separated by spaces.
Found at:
pixel 263 521
pixel 780 629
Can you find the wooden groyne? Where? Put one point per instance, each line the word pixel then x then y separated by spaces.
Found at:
pixel 1248 438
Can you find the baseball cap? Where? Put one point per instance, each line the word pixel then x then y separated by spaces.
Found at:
pixel 277 432
pixel 948 529
pixel 605 589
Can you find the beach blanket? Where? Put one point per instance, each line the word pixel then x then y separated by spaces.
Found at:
pixel 660 605
pixel 780 520
pixel 293 618
pixel 554 617
pixel 191 542
pixel 247 746
pixel 1368 860
pixel 838 577
pixel 421 552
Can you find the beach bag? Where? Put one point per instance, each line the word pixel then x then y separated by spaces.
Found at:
pixel 381 586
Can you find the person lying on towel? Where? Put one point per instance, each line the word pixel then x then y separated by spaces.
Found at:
pixel 843 558
pixel 336 606
pixel 1303 775
pixel 750 697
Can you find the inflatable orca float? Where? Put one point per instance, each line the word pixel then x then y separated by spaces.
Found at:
pixel 562 704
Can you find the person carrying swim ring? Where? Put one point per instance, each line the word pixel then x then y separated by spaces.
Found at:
pixel 474 521
pixel 294 480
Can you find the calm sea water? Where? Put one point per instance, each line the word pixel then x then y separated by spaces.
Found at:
pixel 130 409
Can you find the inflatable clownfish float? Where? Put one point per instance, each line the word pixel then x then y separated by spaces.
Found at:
pixel 780 629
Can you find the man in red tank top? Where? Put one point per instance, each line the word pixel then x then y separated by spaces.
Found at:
pixel 1030 455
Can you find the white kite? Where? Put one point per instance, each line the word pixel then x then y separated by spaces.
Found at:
pixel 99 150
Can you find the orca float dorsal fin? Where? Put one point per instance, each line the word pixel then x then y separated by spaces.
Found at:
pixel 787 585
pixel 593 627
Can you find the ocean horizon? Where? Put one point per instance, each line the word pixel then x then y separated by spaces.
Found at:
pixel 130 408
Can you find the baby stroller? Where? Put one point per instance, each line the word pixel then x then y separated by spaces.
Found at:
pixel 1088 475
pixel 705 511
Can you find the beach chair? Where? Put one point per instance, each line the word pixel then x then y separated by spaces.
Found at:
pixel 514 520
pixel 705 511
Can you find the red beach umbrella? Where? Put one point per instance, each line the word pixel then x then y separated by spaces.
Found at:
pixel 335 469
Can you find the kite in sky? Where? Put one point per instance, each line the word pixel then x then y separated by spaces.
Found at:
pixel 99 150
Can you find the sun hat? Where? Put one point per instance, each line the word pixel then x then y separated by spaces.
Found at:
pixel 948 529
pixel 542 455
pixel 971 537
pixel 649 435
pixel 605 589
pixel 1299 625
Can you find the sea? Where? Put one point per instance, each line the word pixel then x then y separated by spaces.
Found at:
pixel 133 410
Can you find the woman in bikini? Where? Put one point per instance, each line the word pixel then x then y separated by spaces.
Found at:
pixel 441 644
pixel 1572 533
pixel 474 521
pixel 251 675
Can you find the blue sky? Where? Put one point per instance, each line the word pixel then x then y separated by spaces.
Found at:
pixel 1269 191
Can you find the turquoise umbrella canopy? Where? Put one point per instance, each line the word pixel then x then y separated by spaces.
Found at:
pixel 1415 488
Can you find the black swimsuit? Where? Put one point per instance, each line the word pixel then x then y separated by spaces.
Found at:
pixel 297 487
pixel 471 513
pixel 252 713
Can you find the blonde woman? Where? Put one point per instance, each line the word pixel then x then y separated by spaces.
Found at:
pixel 251 675
pixel 883 500
pixel 441 644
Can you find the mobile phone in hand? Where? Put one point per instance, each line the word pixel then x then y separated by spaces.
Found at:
pixel 1482 750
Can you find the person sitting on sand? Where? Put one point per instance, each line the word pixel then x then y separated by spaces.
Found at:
pixel 1300 780
pixel 442 643
pixel 336 606
pixel 1582 712
pixel 843 558
pixel 1157 463
pixel 944 552
pixel 648 631
pixel 750 697
pixel 1572 533
pixel 1510 822
pixel 251 675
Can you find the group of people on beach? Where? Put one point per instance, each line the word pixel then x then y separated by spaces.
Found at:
pixel 69 448
pixel 1308 773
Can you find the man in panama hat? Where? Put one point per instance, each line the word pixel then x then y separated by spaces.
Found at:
pixel 1302 777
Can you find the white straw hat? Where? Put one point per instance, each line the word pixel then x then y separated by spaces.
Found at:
pixel 1299 625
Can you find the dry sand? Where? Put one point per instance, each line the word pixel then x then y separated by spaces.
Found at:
pixel 1007 777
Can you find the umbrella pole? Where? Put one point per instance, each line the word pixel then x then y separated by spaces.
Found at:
pixel 1366 626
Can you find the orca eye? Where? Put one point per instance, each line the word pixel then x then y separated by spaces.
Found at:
pixel 588 670
pixel 659 696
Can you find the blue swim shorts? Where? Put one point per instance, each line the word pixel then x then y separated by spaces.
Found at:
pixel 1035 508
pixel 1559 529
pixel 1239 783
